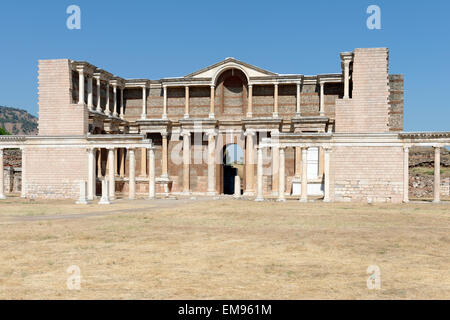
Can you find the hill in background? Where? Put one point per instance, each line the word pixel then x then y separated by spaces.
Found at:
pixel 17 121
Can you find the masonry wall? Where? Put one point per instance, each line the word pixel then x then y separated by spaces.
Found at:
pixel 368 110
pixel 363 174
pixel 54 173
pixel 58 115
pixel 396 100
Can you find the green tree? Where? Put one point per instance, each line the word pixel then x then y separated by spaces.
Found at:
pixel 3 132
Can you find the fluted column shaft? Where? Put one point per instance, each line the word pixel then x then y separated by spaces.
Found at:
pixel 437 174
pixel 132 175
pixel 111 174
pixel 282 177
pixel 304 194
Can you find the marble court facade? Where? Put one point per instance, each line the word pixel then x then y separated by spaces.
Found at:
pixel 328 137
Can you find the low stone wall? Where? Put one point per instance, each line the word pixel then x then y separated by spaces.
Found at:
pixel 12 178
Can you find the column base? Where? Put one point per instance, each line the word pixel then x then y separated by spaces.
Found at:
pixel 186 193
pixel 115 114
pixel 249 115
pixel 2 197
pixel 143 116
pixel 436 201
pixel 151 198
pixel 326 200
pixel 104 201
pixel 211 193
pixel 186 116
pixel 303 200
pixel 275 115
pixel 281 200
pixel 164 117
pixel 405 201
pixel 249 193
pixel 211 115
pixel 298 115
pixel 82 202
pixel 259 199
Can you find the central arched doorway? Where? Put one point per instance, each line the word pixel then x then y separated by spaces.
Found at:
pixel 233 165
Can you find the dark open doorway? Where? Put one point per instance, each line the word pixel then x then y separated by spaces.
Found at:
pixel 233 165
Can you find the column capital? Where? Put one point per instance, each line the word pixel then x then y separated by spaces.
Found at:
pixel 249 132
pixel 164 134
pixel 250 85
pixel 185 133
pixel 327 149
pixel 211 133
pixel 131 149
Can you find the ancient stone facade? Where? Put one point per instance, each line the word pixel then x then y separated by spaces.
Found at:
pixel 336 137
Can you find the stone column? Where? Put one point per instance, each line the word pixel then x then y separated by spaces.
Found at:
pixel 346 79
pixel 304 195
pixel 80 87
pixel 282 177
pixel 122 163
pixel 259 174
pixel 211 102
pixel 250 101
pixel 91 175
pixel 90 94
pixel 144 162
pixel 121 104
pixel 186 102
pixel 275 169
pixel 151 173
pixel 406 174
pixel 275 101
pixel 164 116
pixel 2 182
pixel 211 163
pixel 298 157
pixel 326 187
pixel 322 99
pixel 437 174
pixel 115 114
pixel 99 163
pixel 107 108
pixel 298 100
pixel 164 160
pixel 132 175
pixel 99 100
pixel 249 166
pixel 144 103
pixel 111 174
pixel 186 161
pixel 23 192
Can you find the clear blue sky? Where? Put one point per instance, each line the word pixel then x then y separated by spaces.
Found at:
pixel 156 39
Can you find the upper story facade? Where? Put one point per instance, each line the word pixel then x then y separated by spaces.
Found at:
pixel 76 98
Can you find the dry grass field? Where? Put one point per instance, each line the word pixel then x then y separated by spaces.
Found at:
pixel 230 249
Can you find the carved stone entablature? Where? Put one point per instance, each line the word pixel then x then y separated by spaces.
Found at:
pixel 310 124
pixel 262 124
pixel 154 125
pixel 193 124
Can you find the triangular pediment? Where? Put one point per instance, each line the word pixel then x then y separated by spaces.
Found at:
pixel 211 71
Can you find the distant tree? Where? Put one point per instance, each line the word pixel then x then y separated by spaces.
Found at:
pixel 3 132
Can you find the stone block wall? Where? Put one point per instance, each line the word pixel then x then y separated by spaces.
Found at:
pixel 58 115
pixel 396 102
pixel 368 110
pixel 367 174
pixel 54 173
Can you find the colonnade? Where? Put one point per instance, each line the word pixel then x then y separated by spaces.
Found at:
pixel 437 174
pixel 111 172
pixel 249 114
pixel 279 190
pixel 117 85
